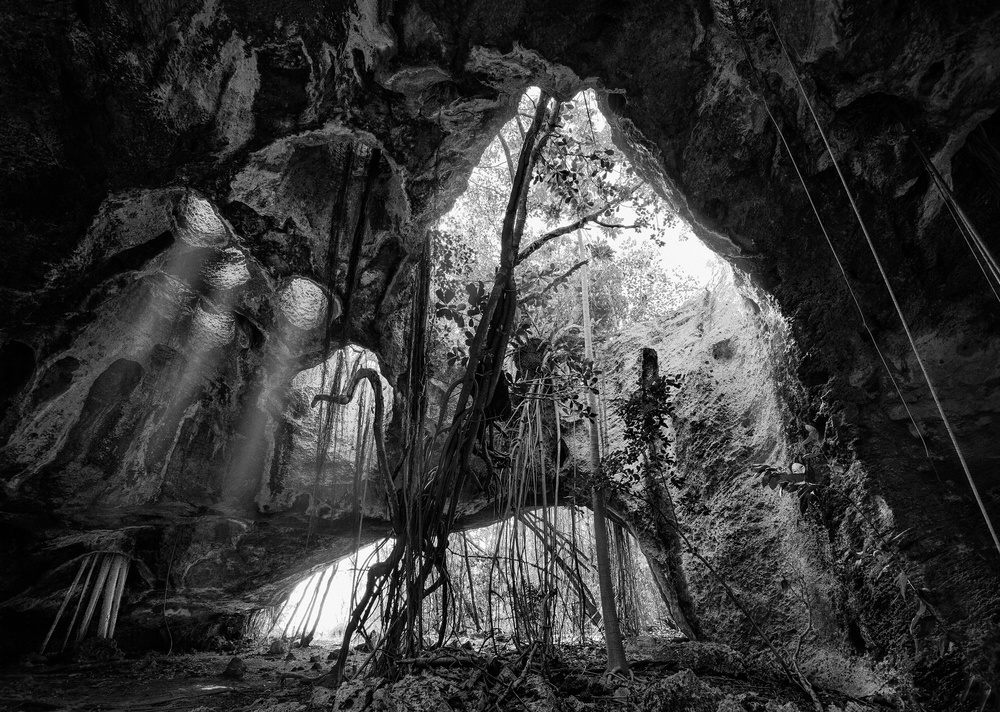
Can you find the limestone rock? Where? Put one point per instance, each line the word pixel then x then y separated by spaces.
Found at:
pixel 683 690
pixel 236 669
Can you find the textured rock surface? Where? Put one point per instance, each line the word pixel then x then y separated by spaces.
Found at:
pixel 795 572
pixel 171 169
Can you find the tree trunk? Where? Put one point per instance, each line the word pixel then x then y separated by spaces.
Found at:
pixel 669 574
pixel 62 608
pixel 119 589
pixel 95 594
pixel 612 631
pixel 110 586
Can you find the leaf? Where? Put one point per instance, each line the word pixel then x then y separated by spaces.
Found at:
pixel 921 625
pixel 882 561
pixel 943 644
pixel 897 538
pixel 901 581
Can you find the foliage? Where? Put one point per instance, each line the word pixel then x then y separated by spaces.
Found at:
pixel 629 284
pixel 644 414
pixel 878 554
pixel 795 479
pixel 581 170
pixel 581 178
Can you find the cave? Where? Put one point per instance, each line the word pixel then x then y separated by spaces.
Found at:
pixel 223 219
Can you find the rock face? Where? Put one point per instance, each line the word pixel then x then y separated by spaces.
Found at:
pixel 200 198
pixel 751 552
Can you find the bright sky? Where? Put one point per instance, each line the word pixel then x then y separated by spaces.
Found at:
pixel 681 249
pixel 686 251
pixel 333 619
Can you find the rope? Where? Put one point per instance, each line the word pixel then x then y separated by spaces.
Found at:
pixel 833 250
pixel 984 258
pixel 892 293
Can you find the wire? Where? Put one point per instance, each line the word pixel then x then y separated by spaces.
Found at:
pixel 892 293
pixel 833 250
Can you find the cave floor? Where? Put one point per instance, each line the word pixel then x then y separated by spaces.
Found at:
pixel 664 672
pixel 152 682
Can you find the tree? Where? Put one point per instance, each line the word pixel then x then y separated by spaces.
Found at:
pixel 612 632
pixel 545 178
pixel 579 183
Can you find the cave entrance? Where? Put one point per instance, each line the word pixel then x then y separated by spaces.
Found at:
pixel 587 204
pixel 506 578
pixel 327 458
pixel 582 216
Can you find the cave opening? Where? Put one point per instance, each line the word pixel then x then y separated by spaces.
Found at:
pixel 212 288
pixel 579 196
pixel 588 207
pixel 327 457
pixel 506 582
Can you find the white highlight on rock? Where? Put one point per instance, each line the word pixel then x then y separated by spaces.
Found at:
pixel 211 330
pixel 303 304
pixel 229 271
pixel 197 223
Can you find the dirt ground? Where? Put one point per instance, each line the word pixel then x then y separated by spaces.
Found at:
pixel 666 675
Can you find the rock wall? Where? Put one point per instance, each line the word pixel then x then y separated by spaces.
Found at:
pixel 841 583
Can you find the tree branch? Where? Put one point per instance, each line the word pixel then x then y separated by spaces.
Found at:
pixel 519 188
pixel 506 152
pixel 565 229
pixel 565 275
pixel 534 156
pixel 633 226
pixel 559 232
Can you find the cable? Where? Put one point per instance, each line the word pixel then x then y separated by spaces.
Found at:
pixel 892 293
pixel 829 242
